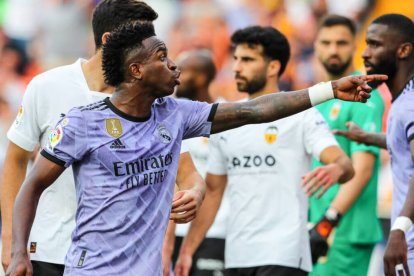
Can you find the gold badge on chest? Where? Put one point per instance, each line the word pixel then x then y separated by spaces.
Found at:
pixel 114 127
pixel 271 134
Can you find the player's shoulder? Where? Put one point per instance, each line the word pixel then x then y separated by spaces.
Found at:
pixel 405 101
pixel 87 113
pixel 408 92
pixel 57 74
pixel 94 107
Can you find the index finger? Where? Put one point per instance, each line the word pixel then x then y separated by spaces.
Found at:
pixel 374 77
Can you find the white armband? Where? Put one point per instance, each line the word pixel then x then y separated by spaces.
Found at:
pixel 402 223
pixel 320 93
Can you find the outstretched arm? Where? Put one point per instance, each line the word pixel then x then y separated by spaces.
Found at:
pixel 357 134
pixel 279 105
pixel 43 174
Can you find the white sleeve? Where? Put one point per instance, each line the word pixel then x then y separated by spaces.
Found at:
pixel 216 159
pixel 317 134
pixel 25 130
pixel 184 147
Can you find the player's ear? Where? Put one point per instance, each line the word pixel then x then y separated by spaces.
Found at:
pixel 104 37
pixel 135 71
pixel 273 68
pixel 405 50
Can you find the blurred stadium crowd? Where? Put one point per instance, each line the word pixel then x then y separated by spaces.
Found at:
pixel 36 35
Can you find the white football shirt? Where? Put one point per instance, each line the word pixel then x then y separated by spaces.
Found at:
pixel 268 208
pixel 48 97
pixel 198 148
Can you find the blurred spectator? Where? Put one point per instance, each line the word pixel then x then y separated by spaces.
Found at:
pixel 63 30
pixel 3 4
pixel 201 24
pixel 21 21
pixel 167 15
pixel 12 67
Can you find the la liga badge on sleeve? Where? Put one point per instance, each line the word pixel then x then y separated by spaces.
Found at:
pixel 55 137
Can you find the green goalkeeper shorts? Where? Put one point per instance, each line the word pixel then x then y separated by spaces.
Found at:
pixel 345 259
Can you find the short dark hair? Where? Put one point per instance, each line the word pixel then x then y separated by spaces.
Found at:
pixel 331 20
pixel 110 14
pixel 399 23
pixel 120 43
pixel 207 65
pixel 274 43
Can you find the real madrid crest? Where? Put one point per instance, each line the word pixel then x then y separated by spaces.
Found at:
pixel 114 127
pixel 164 134
pixel 271 134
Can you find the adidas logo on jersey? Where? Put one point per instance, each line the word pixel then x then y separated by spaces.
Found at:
pixel 117 144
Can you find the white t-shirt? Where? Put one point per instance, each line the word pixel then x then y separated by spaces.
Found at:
pixel 48 96
pixel 198 148
pixel 264 164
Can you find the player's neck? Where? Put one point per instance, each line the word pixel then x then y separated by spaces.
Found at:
pixel 92 70
pixel 267 89
pixel 131 101
pixel 402 76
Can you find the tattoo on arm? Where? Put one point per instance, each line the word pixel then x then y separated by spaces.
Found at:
pixel 263 109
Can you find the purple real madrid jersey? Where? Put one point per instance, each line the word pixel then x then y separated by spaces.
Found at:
pixel 400 132
pixel 124 169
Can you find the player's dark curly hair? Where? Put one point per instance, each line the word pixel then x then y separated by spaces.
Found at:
pixel 110 14
pixel 398 23
pixel 120 43
pixel 274 43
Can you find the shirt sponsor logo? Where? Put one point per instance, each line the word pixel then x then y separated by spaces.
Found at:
pixel 252 161
pixel 271 134
pixel 146 171
pixel 114 127
pixel 335 110
pixel 164 135
pixel 55 137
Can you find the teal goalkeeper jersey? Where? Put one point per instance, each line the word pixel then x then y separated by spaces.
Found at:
pixel 360 224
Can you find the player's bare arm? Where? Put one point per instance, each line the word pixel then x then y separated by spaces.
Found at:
pixel 363 163
pixel 397 250
pixel 191 190
pixel 216 185
pixel 338 169
pixel 14 172
pixel 43 174
pixel 279 105
pixel 357 134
